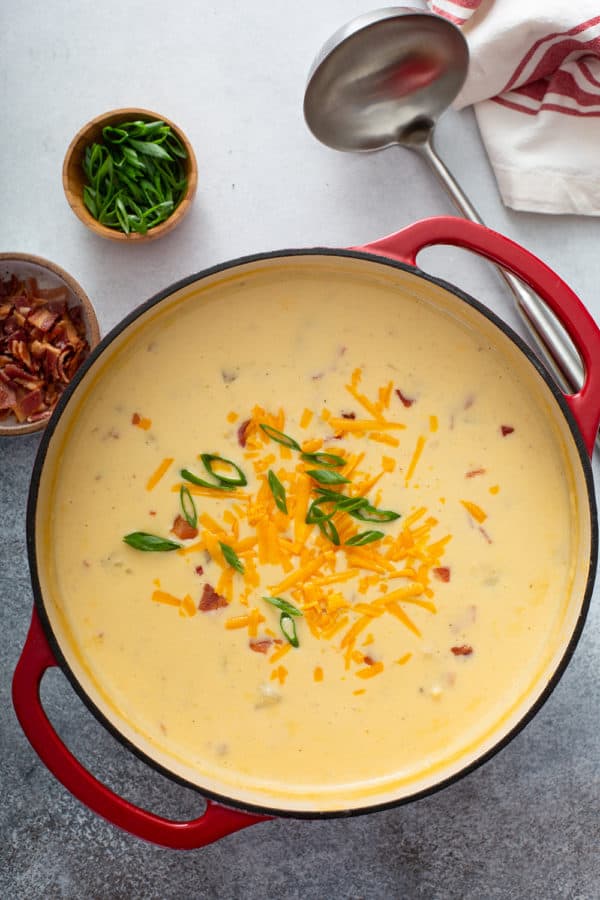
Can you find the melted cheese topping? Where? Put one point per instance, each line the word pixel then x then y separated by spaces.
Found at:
pixel 413 648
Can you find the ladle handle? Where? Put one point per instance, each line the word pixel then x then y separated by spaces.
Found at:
pixel 406 244
pixel 216 822
pixel 552 341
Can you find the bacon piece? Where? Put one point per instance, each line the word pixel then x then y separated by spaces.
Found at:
pixel 211 600
pixel 486 535
pixel 368 660
pixel 475 472
pixel 348 415
pixel 183 529
pixel 199 570
pixel 261 646
pixel 20 351
pixel 463 650
pixel 31 403
pixel 136 419
pixel 242 433
pixel 506 429
pixel 8 398
pixel 442 573
pixel 406 401
pixel 43 318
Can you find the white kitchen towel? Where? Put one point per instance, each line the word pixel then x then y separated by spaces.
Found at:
pixel 534 78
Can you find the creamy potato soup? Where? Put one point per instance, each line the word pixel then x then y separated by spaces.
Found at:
pixel 310 536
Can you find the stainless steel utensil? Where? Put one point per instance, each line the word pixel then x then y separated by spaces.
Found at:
pixel 383 79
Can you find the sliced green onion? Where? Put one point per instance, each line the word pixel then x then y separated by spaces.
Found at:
pixel 193 479
pixel 326 476
pixel 135 177
pixel 188 507
pixel 315 514
pixel 284 606
pixel 288 629
pixel 324 459
pixel 231 557
pixel 365 537
pixel 350 504
pixel 278 491
pixel 140 540
pixel 280 437
pixel 370 513
pixel 209 458
pixel 329 530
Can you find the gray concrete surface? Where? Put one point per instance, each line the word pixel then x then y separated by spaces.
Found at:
pixel 526 826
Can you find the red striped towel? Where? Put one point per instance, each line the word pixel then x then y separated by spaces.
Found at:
pixel 535 81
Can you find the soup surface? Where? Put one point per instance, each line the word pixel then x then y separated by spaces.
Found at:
pixel 356 578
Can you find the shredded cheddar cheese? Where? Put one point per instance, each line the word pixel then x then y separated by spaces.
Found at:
pixel 158 473
pixel 389 574
pixel 476 511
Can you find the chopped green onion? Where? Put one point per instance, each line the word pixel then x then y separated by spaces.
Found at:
pixel 231 557
pixel 324 459
pixel 364 537
pixel 140 540
pixel 370 513
pixel 134 178
pixel 188 506
pixel 326 476
pixel 278 491
pixel 315 514
pixel 329 530
pixel 288 629
pixel 283 605
pixel 280 437
pixel 209 458
pixel 350 504
pixel 193 479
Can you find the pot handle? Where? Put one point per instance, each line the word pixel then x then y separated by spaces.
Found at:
pixel 405 245
pixel 217 821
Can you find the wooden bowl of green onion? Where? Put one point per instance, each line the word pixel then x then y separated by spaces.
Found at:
pixel 130 175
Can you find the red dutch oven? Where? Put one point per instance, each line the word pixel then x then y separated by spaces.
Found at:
pixel 578 417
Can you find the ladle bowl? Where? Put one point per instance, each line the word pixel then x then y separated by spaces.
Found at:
pixel 384 79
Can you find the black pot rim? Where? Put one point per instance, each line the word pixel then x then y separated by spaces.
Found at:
pixel 136 314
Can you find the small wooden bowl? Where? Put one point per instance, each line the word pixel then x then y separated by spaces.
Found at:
pixel 48 275
pixel 74 179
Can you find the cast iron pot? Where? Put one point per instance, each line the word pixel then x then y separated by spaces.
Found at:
pixel 576 416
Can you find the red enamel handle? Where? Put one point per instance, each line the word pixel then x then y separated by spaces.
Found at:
pixel 564 303
pixel 217 822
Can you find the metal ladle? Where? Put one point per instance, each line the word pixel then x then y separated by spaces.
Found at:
pixel 383 79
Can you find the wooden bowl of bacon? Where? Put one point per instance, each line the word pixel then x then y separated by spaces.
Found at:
pixel 47 328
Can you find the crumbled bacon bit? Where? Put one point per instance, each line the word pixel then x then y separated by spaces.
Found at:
pixel 406 401
pixel 475 472
pixel 199 570
pixel 152 512
pixel 368 660
pixel 183 529
pixel 442 573
pixel 42 344
pixel 141 421
pixel 463 650
pixel 506 429
pixel 260 646
pixel 348 415
pixel 211 600
pixel 242 433
pixel 486 535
